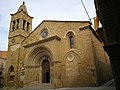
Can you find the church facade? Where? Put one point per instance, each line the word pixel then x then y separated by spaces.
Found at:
pixel 64 53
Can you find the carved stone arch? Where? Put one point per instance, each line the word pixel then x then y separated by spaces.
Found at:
pixel 35 52
pixel 69 32
pixel 44 57
pixel 45 28
pixel 72 67
pixel 70 38
pixel 72 52
pixel 11 73
pixel 34 62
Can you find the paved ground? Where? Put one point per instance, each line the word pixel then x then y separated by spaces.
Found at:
pixel 107 86
pixel 79 88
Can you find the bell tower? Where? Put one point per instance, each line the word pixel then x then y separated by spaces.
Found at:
pixel 20 25
pixel 20 28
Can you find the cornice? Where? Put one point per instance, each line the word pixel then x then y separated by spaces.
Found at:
pixel 19 12
pixel 43 41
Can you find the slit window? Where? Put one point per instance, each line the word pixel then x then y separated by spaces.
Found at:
pixel 71 39
pixel 27 27
pixel 17 23
pixel 24 24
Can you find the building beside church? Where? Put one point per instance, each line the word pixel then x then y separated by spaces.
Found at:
pixel 3 56
pixel 2 70
pixel 108 12
pixel 64 53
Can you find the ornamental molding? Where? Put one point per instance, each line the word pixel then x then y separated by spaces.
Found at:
pixel 42 41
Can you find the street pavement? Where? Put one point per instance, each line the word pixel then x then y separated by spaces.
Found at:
pixel 110 85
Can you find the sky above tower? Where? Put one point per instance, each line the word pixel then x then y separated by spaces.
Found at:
pixel 67 10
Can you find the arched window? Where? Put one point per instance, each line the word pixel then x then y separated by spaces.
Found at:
pixel 11 73
pixel 71 40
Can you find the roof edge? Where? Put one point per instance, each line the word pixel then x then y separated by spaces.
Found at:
pixel 55 21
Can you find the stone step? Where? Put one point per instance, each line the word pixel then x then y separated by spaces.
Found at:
pixel 46 85
pixel 39 86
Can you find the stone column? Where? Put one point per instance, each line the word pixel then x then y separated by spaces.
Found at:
pixel 51 73
pixel 30 27
pixel 11 26
pixel 25 26
pixel 20 24
pixel 15 24
pixel 40 76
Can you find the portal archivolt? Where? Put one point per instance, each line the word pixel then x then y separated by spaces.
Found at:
pixel 39 62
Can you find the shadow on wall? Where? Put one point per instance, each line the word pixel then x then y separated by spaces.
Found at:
pixel 85 79
pixel 104 72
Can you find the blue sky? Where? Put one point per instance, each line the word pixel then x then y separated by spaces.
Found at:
pixel 71 10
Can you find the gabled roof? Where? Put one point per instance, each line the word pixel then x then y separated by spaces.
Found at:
pixel 55 21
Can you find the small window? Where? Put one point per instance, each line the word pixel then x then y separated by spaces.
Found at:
pixel 44 33
pixel 71 39
pixel 24 24
pixel 17 23
pixel 13 25
pixel 27 27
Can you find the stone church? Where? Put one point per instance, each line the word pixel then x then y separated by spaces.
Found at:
pixel 62 53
